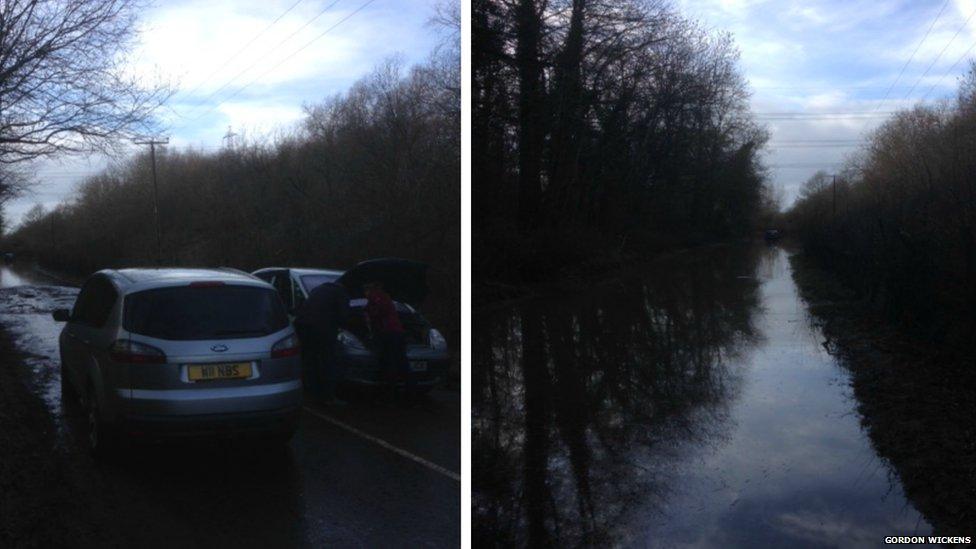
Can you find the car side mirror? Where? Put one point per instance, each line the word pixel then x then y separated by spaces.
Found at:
pixel 61 315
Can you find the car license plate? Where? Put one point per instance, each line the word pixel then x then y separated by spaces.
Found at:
pixel 207 372
pixel 418 366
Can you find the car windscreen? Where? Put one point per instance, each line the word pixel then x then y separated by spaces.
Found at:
pixel 314 281
pixel 209 312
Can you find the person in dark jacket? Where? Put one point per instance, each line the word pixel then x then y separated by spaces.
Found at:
pixel 384 323
pixel 318 322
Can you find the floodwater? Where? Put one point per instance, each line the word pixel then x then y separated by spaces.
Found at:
pixel 691 405
pixel 12 275
pixel 27 298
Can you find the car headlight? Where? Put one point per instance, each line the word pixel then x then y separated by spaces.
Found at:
pixel 437 340
pixel 348 340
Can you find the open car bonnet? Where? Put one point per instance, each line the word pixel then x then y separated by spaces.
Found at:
pixel 404 280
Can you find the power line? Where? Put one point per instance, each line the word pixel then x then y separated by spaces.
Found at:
pixel 818 113
pixel 805 165
pixel 943 77
pixel 261 57
pixel 829 140
pixel 826 87
pixel 815 118
pixel 900 73
pixel 240 51
pixel 934 61
pixel 813 146
pixel 273 67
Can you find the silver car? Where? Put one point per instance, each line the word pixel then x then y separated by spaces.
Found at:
pixel 158 352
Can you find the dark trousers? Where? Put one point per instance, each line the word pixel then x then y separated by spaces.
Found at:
pixel 319 361
pixel 393 361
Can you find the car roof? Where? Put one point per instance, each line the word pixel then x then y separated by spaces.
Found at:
pixel 136 279
pixel 302 271
pixel 329 272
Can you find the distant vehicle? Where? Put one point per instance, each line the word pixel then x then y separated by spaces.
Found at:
pixel 771 234
pixel 176 352
pixel 427 349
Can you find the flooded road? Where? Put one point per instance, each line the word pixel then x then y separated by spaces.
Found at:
pixel 353 476
pixel 21 274
pixel 692 405
pixel 27 298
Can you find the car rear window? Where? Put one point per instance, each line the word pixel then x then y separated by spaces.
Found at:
pixel 213 312
pixel 314 281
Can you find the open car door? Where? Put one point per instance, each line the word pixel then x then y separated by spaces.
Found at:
pixel 404 280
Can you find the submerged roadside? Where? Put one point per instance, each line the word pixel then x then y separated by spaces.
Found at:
pixel 917 401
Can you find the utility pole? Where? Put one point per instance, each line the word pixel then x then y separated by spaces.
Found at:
pixel 229 137
pixel 152 154
pixel 834 200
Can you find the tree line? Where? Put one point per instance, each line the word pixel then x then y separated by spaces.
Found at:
pixel 899 222
pixel 371 172
pixel 605 125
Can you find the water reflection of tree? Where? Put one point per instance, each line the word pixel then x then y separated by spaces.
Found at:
pixel 579 402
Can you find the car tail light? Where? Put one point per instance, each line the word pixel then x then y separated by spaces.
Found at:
pixel 286 347
pixel 126 350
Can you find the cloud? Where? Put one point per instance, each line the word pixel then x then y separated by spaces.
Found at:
pixel 232 69
pixel 184 42
pixel 834 56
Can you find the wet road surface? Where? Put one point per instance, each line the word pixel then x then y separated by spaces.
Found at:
pixel 353 476
pixel 692 405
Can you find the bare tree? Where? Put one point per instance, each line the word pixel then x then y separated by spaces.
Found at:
pixel 64 84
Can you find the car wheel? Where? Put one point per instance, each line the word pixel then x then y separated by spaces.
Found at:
pixel 70 403
pixel 101 438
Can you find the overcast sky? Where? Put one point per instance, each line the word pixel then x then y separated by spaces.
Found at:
pixel 200 45
pixel 839 56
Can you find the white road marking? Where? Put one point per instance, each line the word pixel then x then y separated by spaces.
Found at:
pixel 430 465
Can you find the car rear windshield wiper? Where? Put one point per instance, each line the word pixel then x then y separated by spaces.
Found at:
pixel 240 332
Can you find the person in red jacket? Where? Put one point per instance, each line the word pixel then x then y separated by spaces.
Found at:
pixel 387 330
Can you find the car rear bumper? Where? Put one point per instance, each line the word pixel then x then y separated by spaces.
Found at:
pixel 178 404
pixel 265 422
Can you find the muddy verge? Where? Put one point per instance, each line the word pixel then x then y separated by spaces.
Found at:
pixel 41 502
pixel 916 401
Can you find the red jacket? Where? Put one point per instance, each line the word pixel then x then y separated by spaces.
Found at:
pixel 382 313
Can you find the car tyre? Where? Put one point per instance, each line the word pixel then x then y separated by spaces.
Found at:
pixel 69 396
pixel 71 405
pixel 102 439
